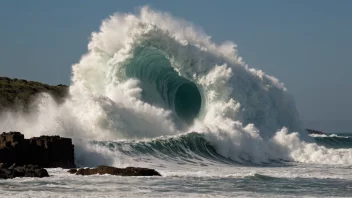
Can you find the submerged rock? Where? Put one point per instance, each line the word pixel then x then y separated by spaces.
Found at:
pixel 9 172
pixel 44 151
pixel 129 171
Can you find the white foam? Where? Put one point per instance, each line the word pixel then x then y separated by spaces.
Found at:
pixel 246 113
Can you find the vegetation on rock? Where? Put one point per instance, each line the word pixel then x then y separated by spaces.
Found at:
pixel 19 93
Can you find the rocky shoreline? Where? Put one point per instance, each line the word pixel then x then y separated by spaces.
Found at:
pixel 13 171
pixel 43 151
pixel 20 157
pixel 129 171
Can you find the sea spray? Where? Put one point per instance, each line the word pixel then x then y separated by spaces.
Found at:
pixel 130 86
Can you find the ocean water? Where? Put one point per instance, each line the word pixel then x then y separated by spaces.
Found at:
pixel 154 91
pixel 194 180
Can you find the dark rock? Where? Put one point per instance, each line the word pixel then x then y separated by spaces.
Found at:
pixel 41 172
pixel 12 166
pixel 18 171
pixel 45 151
pixel 4 165
pixel 5 173
pixel 72 171
pixel 129 171
pixel 22 171
pixel 31 166
pixel 315 132
pixel 52 151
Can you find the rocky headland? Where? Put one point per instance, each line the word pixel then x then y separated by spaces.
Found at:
pixel 18 93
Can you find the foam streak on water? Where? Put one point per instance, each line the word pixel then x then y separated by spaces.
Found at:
pixel 222 181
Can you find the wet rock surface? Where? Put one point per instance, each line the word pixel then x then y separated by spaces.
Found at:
pixel 13 171
pixel 44 151
pixel 129 171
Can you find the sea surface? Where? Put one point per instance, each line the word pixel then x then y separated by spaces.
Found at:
pixel 155 91
pixel 286 179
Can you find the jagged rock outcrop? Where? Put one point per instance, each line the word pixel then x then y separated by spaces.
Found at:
pixel 9 172
pixel 44 151
pixel 129 171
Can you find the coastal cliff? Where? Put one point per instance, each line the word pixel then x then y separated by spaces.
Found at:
pixel 18 93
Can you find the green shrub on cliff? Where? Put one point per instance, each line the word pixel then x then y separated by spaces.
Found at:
pixel 16 92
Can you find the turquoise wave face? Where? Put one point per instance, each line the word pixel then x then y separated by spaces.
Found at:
pixel 162 85
pixel 194 148
pixel 191 148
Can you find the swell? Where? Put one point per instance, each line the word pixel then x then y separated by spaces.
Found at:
pixel 190 148
pixel 195 148
pixel 335 142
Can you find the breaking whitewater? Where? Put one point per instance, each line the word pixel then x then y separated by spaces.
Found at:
pixel 155 91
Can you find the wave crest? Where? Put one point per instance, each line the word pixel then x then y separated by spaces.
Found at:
pixel 147 73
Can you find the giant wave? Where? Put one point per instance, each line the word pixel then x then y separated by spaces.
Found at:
pixel 150 75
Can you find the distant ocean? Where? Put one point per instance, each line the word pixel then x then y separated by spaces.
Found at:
pixel 329 126
pixel 154 91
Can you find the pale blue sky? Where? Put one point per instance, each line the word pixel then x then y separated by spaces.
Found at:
pixel 306 44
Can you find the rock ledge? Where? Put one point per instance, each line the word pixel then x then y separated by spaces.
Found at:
pixel 44 151
pixel 129 171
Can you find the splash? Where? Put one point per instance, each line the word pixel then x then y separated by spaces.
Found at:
pixel 151 75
